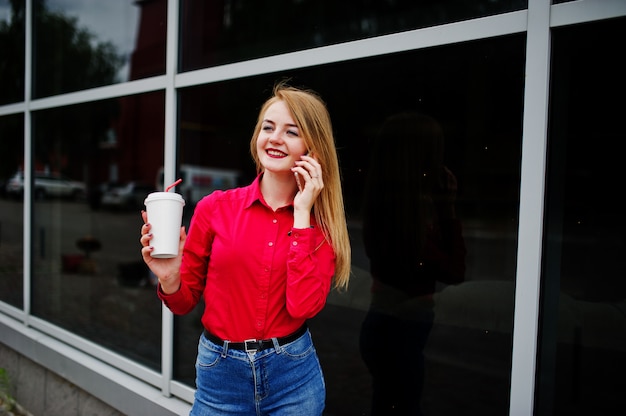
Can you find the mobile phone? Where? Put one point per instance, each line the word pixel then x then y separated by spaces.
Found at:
pixel 298 180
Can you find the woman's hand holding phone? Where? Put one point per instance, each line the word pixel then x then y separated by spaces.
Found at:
pixel 308 176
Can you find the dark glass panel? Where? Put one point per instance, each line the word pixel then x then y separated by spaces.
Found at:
pixel 82 44
pixel 582 357
pixel 474 91
pixel 12 44
pixel 88 275
pixel 12 210
pixel 220 32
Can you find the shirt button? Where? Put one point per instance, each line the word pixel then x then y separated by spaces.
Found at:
pixel 270 244
pixel 295 243
pixel 274 220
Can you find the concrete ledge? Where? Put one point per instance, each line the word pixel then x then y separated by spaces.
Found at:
pixel 55 378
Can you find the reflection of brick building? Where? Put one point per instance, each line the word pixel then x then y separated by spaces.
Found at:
pixel 148 58
pixel 138 152
pixel 203 23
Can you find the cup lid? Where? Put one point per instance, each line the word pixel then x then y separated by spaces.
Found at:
pixel 172 196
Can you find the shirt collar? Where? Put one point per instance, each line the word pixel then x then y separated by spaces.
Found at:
pixel 255 195
pixel 254 191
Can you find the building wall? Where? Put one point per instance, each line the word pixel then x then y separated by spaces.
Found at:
pixel 51 378
pixel 40 391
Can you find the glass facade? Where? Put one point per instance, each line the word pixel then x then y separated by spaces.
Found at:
pixel 480 119
pixel 430 316
pixel 12 38
pixel 93 166
pixel 583 337
pixel 86 44
pixel 12 212
pixel 222 32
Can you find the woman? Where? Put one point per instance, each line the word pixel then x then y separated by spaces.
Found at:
pixel 263 258
pixel 414 241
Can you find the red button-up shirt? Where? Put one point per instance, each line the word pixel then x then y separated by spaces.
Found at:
pixel 259 277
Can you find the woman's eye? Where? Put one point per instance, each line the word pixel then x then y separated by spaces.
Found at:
pixel 267 128
pixel 292 133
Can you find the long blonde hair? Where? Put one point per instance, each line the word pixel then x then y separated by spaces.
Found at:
pixel 311 116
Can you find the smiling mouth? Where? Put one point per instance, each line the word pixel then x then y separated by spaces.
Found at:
pixel 275 153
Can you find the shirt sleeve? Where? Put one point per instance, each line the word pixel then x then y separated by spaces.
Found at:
pixel 193 270
pixel 310 269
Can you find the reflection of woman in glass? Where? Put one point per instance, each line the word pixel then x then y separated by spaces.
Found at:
pixel 413 240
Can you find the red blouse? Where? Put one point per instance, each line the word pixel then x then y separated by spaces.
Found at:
pixel 259 277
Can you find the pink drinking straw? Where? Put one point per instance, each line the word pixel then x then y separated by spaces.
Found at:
pixel 173 185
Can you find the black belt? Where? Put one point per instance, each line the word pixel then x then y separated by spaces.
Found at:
pixel 253 345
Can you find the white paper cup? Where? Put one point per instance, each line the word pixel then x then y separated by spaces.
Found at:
pixel 165 214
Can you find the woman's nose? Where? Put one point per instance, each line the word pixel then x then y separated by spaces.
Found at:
pixel 276 137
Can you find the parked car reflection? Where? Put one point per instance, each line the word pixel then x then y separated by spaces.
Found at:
pixel 47 185
pixel 126 196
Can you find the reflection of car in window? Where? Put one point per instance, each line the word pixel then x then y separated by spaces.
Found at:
pixel 128 195
pixel 199 181
pixel 47 185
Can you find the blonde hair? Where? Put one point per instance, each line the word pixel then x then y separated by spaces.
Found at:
pixel 311 116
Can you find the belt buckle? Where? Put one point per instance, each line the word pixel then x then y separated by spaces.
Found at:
pixel 245 345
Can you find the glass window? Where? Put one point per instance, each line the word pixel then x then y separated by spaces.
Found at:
pixel 94 164
pixel 582 357
pixel 12 210
pixel 82 44
pixel 451 329
pixel 12 43
pixel 220 32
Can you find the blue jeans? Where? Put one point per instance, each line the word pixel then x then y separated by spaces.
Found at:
pixel 284 380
